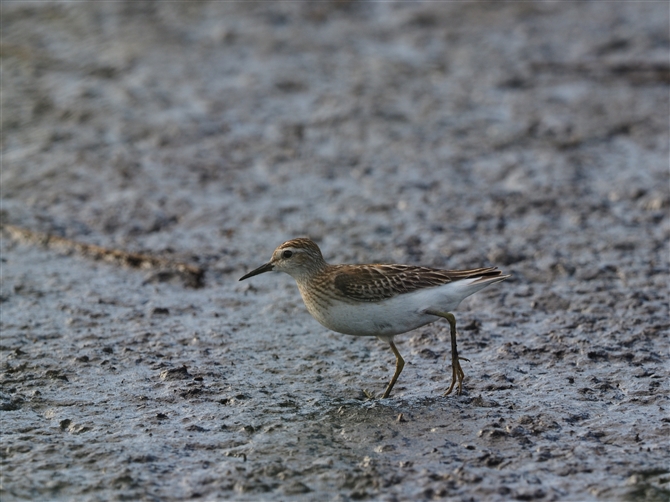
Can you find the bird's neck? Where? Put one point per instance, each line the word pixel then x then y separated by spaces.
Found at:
pixel 307 275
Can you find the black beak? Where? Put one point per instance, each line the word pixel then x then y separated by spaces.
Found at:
pixel 260 270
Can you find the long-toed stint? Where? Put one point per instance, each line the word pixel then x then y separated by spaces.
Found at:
pixel 378 300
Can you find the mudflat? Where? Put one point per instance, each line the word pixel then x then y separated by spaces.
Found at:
pixel 154 153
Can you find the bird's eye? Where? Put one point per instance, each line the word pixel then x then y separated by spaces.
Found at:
pixel 287 254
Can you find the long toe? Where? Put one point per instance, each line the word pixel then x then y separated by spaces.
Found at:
pixel 454 378
pixel 461 376
pixel 457 376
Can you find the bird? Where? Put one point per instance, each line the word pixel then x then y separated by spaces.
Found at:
pixel 381 300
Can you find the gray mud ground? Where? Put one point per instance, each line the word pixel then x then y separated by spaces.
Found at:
pixel 531 136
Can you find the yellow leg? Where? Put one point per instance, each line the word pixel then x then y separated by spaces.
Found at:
pixel 457 375
pixel 399 365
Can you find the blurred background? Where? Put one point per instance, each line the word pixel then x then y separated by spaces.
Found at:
pixel 462 131
pixel 528 135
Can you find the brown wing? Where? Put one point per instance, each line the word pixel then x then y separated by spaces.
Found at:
pixel 373 283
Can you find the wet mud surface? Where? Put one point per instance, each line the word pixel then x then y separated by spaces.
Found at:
pixel 531 136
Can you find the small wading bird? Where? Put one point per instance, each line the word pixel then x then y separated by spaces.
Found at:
pixel 378 300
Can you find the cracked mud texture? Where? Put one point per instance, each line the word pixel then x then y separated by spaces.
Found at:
pixel 531 136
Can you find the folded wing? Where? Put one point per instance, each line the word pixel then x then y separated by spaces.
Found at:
pixel 373 283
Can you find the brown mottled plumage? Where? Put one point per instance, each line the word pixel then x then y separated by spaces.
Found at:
pixel 378 300
pixel 374 283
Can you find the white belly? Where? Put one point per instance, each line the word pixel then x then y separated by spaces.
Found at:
pixel 390 317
